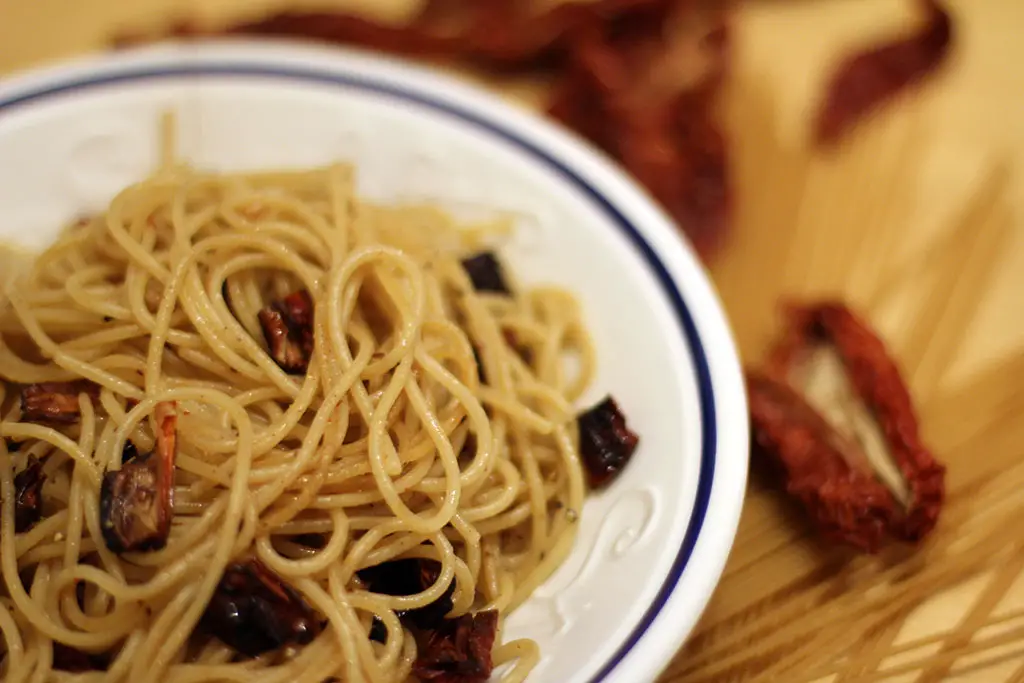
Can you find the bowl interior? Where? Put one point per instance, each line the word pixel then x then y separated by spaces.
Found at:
pixel 71 149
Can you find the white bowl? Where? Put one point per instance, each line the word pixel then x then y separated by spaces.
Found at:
pixel 652 546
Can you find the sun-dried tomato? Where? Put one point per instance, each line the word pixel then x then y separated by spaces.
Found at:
pixel 669 140
pixel 253 611
pixel 834 412
pixel 28 495
pixel 503 34
pixel 485 273
pixel 459 650
pixel 137 501
pixel 409 577
pixel 863 82
pixel 844 500
pixel 288 328
pixel 887 427
pixel 606 442
pixel 55 402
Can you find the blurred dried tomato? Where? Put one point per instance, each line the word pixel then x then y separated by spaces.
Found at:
pixel 864 81
pixel 831 410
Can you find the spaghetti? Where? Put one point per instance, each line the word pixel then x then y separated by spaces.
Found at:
pixel 356 484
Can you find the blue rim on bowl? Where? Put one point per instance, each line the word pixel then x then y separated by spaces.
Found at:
pixel 717 496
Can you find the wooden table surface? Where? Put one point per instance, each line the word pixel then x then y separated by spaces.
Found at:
pixel 964 126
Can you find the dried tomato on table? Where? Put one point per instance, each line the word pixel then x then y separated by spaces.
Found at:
pixel 28 495
pixel 832 413
pixel 55 402
pixel 502 34
pixel 136 501
pixel 864 81
pixel 253 611
pixel 288 329
pixel 620 91
pixel 459 650
pixel 845 501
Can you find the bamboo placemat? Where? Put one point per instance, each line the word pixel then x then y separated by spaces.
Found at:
pixel 917 224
